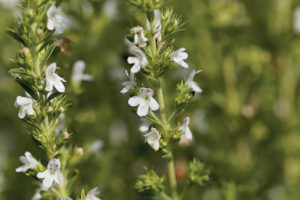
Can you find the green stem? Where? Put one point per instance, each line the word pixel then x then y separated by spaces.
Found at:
pixel 156 119
pixel 172 179
pixel 165 196
pixel 63 190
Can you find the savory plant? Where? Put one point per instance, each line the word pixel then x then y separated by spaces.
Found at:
pixel 154 54
pixel 45 102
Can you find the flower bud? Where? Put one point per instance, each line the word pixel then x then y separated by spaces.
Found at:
pixel 50 109
pixel 25 51
pixel 175 22
pixel 40 31
pixel 66 135
pixel 79 151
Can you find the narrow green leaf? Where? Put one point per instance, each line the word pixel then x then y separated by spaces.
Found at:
pixel 52 96
pixel 16 36
pixel 49 51
pixel 26 87
pixel 45 44
pixel 17 71
pixel 82 194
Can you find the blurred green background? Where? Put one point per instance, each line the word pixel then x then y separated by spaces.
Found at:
pixel 246 123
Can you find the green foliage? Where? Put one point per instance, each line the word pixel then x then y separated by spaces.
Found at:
pixel 148 5
pixel 197 173
pixel 245 123
pixel 150 183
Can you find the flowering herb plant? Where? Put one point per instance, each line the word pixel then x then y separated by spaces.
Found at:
pixel 154 54
pixel 45 102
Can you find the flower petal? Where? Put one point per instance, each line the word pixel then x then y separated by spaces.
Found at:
pixel 22 112
pixel 47 182
pixel 22 169
pixel 59 86
pixel 43 174
pixel 142 110
pixel 155 146
pixel 153 104
pixel 134 101
pixel 49 86
pixel 188 133
pixel 51 69
pixel 30 110
pixel 195 87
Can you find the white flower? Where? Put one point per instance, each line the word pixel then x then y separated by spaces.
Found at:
pixel 191 83
pixel 152 138
pixel 11 4
pixel 178 56
pixel 56 20
pixel 25 105
pixel 157 26
pixel 96 146
pixel 52 174
pixel 77 73
pixel 110 9
pixel 37 195
pixel 139 61
pixel 297 20
pixel 29 162
pixel 185 128
pixel 139 37
pixel 91 195
pixel 144 127
pixel 53 79
pixel 144 101
pixel 128 84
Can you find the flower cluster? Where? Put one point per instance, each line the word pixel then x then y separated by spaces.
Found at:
pixel 146 46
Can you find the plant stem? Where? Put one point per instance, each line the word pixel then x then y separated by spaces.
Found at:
pixel 165 196
pixel 172 179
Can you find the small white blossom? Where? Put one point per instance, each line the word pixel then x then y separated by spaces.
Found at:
pixel 25 105
pixel 191 83
pixel 77 73
pixel 37 195
pixel 297 20
pixel 144 101
pixel 9 4
pixel 152 138
pixel 56 20
pixel 157 26
pixel 139 61
pixel 52 174
pixel 96 146
pixel 179 56
pixel 128 84
pixel 139 37
pixel 185 129
pixel 53 79
pixel 144 127
pixel 29 162
pixel 110 9
pixel 92 194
